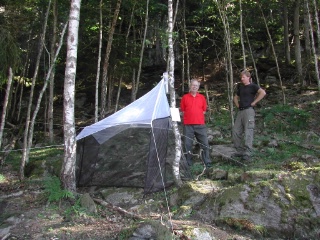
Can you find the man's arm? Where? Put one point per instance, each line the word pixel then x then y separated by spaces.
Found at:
pixel 236 100
pixel 260 94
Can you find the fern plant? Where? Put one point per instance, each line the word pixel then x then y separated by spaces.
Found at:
pixel 54 190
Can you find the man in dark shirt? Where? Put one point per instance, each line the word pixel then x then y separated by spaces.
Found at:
pixel 193 106
pixel 247 96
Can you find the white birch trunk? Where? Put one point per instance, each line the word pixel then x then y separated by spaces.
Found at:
pixel 68 166
pixel 176 161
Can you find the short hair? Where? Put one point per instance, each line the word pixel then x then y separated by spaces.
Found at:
pixel 194 80
pixel 246 72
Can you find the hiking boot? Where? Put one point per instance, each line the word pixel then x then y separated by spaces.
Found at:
pixel 208 165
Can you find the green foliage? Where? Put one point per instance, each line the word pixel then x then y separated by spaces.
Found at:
pixel 125 234
pixel 222 120
pixel 75 209
pixel 196 169
pixel 9 52
pixel 14 159
pixel 284 118
pixel 54 190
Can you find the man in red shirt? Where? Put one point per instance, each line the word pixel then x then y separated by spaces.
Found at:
pixel 193 106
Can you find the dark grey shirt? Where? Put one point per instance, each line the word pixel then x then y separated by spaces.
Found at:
pixel 247 94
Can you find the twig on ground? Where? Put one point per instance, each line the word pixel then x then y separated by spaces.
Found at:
pixel 118 209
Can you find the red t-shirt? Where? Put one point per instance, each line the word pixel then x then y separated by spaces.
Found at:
pixel 193 108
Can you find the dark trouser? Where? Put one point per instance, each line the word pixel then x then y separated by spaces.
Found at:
pixel 200 132
pixel 243 131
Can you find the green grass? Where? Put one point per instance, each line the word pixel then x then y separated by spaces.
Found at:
pixel 37 155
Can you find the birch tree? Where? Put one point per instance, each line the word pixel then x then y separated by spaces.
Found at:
pixel 68 177
pixel 176 161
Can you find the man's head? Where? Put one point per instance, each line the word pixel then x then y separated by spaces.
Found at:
pixel 245 77
pixel 194 86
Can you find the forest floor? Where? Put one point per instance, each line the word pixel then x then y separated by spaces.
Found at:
pixel 26 214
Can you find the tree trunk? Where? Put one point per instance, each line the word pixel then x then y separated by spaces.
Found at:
pixel 178 145
pixel 229 69
pixel 253 59
pixel 241 37
pixel 106 60
pixel 96 106
pixel 275 56
pixel 118 94
pixel 5 104
pixel 313 45
pixel 306 34
pixel 26 150
pixel 141 53
pixel 44 87
pixel 25 70
pixel 297 49
pixel 68 177
pixel 185 46
pixel 286 32
pixel 316 17
pixel 51 87
pixel 110 90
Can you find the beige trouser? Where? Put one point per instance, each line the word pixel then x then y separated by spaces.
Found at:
pixel 243 129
